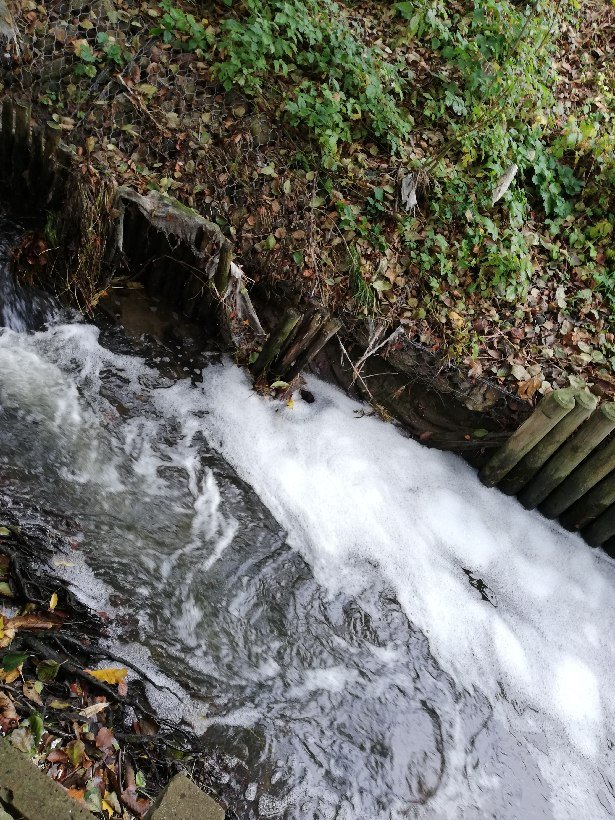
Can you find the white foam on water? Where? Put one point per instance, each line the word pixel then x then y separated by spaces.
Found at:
pixel 353 494
pixel 357 497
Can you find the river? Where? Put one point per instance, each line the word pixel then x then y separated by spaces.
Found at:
pixel 356 627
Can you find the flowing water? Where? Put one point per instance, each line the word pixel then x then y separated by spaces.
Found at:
pixel 358 629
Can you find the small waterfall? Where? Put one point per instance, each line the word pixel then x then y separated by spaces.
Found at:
pixel 21 309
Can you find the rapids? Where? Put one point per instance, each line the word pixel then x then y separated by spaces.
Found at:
pixel 356 626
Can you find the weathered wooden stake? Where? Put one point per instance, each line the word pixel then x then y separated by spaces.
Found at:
pixel 36 169
pixel 276 339
pixel 591 506
pixel 223 268
pixel 595 468
pixel 6 137
pixel 602 529
pixel 549 412
pixel 303 338
pixel 324 334
pixel 561 465
pixel 585 404
pixel 21 143
pixel 51 143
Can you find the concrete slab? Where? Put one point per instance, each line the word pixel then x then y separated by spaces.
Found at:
pixel 28 791
pixel 183 800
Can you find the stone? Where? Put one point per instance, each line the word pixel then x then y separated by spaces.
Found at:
pixel 29 793
pixel 183 800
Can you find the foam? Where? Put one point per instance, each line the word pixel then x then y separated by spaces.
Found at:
pixel 353 493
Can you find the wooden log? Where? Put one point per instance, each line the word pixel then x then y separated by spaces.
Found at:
pixel 21 143
pixel 568 457
pixel 327 331
pixel 549 412
pixel 223 268
pixel 602 529
pixel 303 339
pixel 594 469
pixel 591 505
pixel 274 342
pixel 6 137
pixel 526 469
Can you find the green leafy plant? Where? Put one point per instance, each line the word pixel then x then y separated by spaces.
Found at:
pixel 182 30
pixel 341 88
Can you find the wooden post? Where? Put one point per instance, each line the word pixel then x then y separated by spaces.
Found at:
pixel 304 336
pixel 276 339
pixel 223 268
pixel 326 332
pixel 549 412
pixel 36 170
pixel 585 404
pixel 6 135
pixel 595 468
pixel 561 465
pixel 591 506
pixel 51 143
pixel 602 529
pixel 21 143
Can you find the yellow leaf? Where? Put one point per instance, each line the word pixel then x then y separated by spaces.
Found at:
pixel 111 675
pixel 109 809
pixel 9 677
pixel 290 404
pixel 53 602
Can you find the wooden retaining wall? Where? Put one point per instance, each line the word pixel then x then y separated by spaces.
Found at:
pixel 178 255
pixel 562 461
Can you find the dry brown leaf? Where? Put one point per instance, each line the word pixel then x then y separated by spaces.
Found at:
pixel 34 621
pixel 104 738
pixel 138 805
pixel 30 690
pixel 9 718
pixel 527 388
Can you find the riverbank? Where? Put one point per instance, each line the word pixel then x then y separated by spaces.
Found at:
pixel 67 702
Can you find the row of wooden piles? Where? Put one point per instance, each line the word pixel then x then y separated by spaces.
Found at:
pixel 292 344
pixel 30 160
pixel 562 461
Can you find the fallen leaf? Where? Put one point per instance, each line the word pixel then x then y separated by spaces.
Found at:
pixel 138 805
pixel 104 738
pixel 110 675
pixel 34 621
pixel 53 602
pixel 59 704
pixel 36 724
pixel 7 632
pixel 9 718
pixel 90 711
pixel 527 388
pixel 32 689
pixel 47 670
pixel 75 752
pixel 13 660
pixel 6 590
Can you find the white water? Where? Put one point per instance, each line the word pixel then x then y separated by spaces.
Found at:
pixel 368 510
